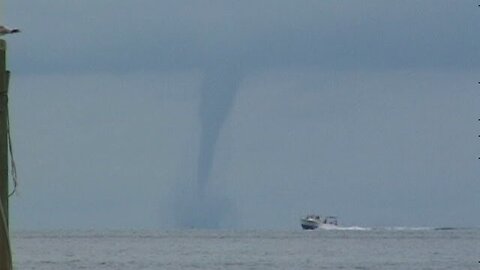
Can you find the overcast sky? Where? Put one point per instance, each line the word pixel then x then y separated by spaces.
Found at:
pixel 363 109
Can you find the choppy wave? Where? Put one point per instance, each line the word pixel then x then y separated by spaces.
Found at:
pixel 266 250
pixel 447 228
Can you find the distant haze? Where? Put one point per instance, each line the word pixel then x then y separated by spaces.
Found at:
pixel 244 114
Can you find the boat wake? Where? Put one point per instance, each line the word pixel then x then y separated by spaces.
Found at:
pixel 420 228
pixel 408 228
pixel 328 227
pixel 350 228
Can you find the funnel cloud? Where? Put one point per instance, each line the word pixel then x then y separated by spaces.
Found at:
pixel 205 206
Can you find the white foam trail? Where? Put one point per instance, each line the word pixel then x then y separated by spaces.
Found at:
pixel 340 228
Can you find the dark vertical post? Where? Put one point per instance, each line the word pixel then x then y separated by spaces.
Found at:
pixel 5 252
pixel 3 131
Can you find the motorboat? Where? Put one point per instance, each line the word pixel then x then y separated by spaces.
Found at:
pixel 312 222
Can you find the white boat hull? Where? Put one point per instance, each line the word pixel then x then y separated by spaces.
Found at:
pixel 313 222
pixel 309 224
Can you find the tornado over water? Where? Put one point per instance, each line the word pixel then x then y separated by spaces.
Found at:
pixel 218 92
pixel 207 207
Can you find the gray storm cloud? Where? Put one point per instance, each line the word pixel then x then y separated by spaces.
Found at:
pixel 173 35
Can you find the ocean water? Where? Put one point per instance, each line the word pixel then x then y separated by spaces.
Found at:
pixel 350 248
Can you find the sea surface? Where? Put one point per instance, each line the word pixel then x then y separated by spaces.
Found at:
pixel 348 248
